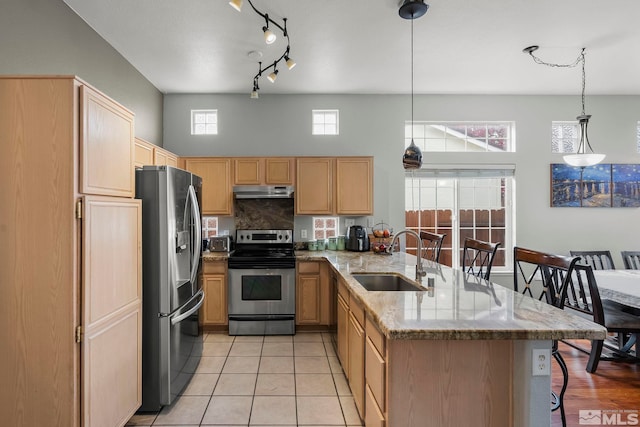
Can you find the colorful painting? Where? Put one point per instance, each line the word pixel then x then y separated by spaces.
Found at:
pixel 626 186
pixel 602 185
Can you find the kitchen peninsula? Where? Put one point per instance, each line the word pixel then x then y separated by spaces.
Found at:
pixel 458 353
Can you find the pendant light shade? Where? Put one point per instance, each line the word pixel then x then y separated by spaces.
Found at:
pixel 581 158
pixel 412 9
pixel 412 158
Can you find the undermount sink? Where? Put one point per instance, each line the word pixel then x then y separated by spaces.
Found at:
pixel 385 282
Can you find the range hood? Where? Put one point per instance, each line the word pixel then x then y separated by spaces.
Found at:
pixel 263 191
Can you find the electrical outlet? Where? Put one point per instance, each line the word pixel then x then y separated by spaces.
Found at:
pixel 541 362
pixel 370 222
pixel 303 234
pixel 225 232
pixel 349 222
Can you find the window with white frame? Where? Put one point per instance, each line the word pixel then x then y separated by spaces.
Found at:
pixel 462 203
pixel 325 122
pixel 209 226
pixel 565 137
pixel 204 122
pixel 325 227
pixel 461 136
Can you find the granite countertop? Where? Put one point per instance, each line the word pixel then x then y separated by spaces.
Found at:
pixel 458 307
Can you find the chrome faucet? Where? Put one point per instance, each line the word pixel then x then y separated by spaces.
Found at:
pixel 420 272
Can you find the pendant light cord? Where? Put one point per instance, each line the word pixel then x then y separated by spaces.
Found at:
pixel 412 18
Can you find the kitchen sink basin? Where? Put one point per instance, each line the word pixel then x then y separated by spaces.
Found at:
pixel 385 282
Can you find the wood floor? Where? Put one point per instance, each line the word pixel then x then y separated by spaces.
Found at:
pixel 614 386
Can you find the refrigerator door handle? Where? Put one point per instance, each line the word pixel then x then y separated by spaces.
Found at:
pixel 179 318
pixel 195 213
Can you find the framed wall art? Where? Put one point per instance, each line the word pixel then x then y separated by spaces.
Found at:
pixel 602 185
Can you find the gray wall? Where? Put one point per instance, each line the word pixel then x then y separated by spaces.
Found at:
pixel 374 125
pixel 47 37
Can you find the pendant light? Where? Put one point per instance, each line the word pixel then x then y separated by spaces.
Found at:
pixel 581 158
pixel 412 9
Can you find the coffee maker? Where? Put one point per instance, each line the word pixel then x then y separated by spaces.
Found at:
pixel 357 239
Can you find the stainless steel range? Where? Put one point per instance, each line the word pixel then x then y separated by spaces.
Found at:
pixel 262 282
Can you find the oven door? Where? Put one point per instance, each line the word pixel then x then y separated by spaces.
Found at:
pixel 262 291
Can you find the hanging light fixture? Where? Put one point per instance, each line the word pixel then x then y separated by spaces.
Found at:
pixel 412 9
pixel 269 38
pixel 581 158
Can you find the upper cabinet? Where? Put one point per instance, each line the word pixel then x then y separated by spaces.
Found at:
pixel 354 185
pixel 147 153
pixel 217 196
pixel 314 185
pixel 143 154
pixel 106 149
pixel 334 186
pixel 163 157
pixel 263 171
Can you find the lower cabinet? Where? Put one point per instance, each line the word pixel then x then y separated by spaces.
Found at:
pixel 356 339
pixel 362 353
pixel 214 283
pixel 312 293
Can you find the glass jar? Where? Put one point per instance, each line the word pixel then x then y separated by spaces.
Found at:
pixel 312 245
pixel 340 244
pixel 332 244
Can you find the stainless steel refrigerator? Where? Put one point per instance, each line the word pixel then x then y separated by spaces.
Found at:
pixel 171 293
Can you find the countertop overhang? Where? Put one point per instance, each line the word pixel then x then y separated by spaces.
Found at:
pixel 458 307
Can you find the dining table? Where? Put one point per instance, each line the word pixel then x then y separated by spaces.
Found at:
pixel 621 286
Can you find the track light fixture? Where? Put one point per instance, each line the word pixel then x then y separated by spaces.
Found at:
pixel 269 38
pixel 581 158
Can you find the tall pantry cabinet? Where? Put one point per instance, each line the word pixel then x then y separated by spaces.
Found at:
pixel 70 258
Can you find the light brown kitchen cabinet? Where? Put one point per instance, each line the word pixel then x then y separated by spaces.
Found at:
pixel 71 278
pixel 342 344
pixel 314 185
pixel 313 303
pixel 163 157
pixel 356 340
pixel 106 149
pixel 217 196
pixel 279 171
pixel 144 154
pixel 147 153
pixel 263 171
pixel 375 375
pixel 354 185
pixel 214 283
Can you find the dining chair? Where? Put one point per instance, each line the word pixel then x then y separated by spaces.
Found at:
pixel 431 245
pixel 478 256
pixel 598 260
pixel 583 297
pixel 554 271
pixel 631 259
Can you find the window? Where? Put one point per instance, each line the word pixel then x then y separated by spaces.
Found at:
pixel 325 122
pixel 565 137
pixel 325 227
pixel 460 204
pixel 461 136
pixel 209 226
pixel 204 122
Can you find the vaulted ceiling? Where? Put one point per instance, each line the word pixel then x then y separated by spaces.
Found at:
pixel 363 46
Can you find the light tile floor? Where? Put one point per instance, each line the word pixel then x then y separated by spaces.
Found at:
pixel 262 381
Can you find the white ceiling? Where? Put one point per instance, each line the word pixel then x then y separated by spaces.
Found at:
pixel 363 46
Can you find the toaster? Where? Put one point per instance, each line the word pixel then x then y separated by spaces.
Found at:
pixel 220 244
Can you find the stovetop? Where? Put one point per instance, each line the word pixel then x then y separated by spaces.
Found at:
pixel 259 248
